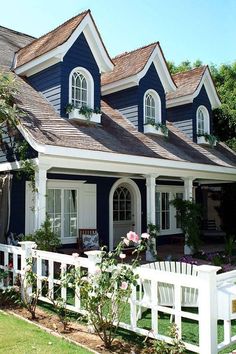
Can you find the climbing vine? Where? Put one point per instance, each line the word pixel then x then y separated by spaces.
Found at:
pixel 9 120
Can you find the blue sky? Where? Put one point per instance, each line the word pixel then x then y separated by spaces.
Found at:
pixel 186 29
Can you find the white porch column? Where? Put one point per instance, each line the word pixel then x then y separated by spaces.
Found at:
pixel 40 196
pixel 188 188
pixel 151 204
pixel 188 195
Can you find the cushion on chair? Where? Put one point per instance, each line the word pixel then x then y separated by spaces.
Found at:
pixel 90 242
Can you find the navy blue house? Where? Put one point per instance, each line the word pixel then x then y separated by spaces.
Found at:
pixel 113 140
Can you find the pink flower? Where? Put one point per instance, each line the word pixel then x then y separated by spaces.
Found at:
pixel 124 285
pixel 145 235
pixel 132 236
pixel 122 255
pixel 126 241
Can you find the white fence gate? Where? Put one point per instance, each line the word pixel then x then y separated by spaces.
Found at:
pixel 206 283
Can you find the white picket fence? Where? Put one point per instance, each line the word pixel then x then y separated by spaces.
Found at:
pixel 50 265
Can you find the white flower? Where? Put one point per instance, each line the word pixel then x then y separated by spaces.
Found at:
pixel 75 255
pixel 126 241
pixel 124 285
pixel 145 235
pixel 28 268
pixel 122 255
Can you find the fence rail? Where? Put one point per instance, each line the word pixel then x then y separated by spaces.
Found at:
pixel 49 268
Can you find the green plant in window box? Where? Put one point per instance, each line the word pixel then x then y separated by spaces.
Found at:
pixel 210 138
pixel 161 126
pixel 84 110
pixel 69 108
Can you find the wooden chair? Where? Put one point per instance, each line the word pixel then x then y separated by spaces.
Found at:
pixel 85 233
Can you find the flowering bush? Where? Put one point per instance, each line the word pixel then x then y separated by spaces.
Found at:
pixel 105 293
pixel 29 290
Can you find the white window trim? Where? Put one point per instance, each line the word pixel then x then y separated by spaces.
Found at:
pixel 206 119
pixel 158 117
pixel 90 85
pixel 172 190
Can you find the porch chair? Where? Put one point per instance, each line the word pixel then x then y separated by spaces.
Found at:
pixel 88 240
pixel 165 291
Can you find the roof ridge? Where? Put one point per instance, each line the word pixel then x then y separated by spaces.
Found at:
pixel 134 50
pixel 45 34
pixel 18 32
pixel 187 71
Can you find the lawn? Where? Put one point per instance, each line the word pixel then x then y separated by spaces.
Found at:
pixel 20 337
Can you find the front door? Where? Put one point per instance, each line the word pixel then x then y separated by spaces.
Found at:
pixel 123 212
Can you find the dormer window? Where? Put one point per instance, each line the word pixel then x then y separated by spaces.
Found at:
pixel 203 124
pixel 81 96
pixel 152 107
pixel 79 87
pixel 203 127
pixel 152 113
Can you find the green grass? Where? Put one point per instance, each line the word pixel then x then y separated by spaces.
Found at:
pixel 20 337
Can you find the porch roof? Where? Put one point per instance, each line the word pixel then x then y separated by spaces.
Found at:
pixel 115 135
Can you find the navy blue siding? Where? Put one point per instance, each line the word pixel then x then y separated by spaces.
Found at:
pixel 151 81
pixel 180 113
pixel 126 102
pixel 79 55
pixel 17 217
pixel 201 99
pixel 48 82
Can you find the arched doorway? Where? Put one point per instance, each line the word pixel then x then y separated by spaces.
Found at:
pixel 125 210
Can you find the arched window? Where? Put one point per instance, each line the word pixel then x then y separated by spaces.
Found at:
pixel 152 107
pixel 79 95
pixel 81 88
pixel 203 124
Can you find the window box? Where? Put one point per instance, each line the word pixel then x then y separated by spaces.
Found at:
pixel 203 140
pixel 151 129
pixel 75 114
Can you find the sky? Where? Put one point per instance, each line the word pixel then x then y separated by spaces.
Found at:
pixel 186 29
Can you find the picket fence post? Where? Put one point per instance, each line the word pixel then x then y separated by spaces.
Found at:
pixel 207 309
pixel 27 248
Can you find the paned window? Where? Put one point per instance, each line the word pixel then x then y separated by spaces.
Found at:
pixel 152 107
pixel 79 90
pixel 203 125
pixel 62 210
pixel 122 204
pixel 163 210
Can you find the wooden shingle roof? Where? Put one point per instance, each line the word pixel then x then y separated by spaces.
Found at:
pixel 10 42
pixel 50 40
pixel 187 82
pixel 116 134
pixel 129 63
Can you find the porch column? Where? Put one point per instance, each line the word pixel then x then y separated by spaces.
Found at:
pixel 188 188
pixel 40 196
pixel 188 195
pixel 151 203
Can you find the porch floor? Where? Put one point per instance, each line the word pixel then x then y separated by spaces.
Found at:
pixel 168 251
